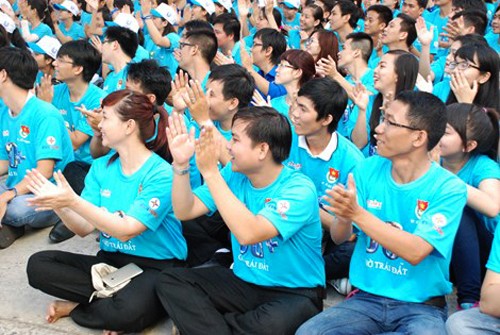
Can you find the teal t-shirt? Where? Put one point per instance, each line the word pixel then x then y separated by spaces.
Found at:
pixel 73 119
pixel 429 207
pixel 477 169
pixel 36 133
pixel 494 260
pixel 76 31
pixel 164 56
pixel 293 257
pixel 41 30
pixel 115 81
pixel 144 196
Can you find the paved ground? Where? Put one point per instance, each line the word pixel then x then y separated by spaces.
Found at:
pixel 22 308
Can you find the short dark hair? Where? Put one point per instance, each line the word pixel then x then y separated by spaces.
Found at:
pixel 82 54
pixel 384 13
pixel 197 25
pixel 408 26
pixel 20 66
pixel 152 78
pixel 236 81
pixel 425 112
pixel 126 38
pixel 206 41
pixel 422 3
pixel 363 42
pixel 230 24
pixel 348 7
pixel 478 5
pixel 266 125
pixel 475 123
pixel 328 98
pixel 473 18
pixel 274 39
pixel 120 3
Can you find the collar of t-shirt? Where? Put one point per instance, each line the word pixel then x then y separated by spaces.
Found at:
pixel 326 154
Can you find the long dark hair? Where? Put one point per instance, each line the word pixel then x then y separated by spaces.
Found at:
pixel 488 61
pixel 43 11
pixel 152 120
pixel 475 123
pixel 406 68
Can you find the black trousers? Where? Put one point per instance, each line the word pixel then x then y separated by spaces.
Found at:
pixel 75 173
pixel 213 300
pixel 204 236
pixel 67 276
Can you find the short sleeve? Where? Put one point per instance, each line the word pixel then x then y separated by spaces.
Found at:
pixel 50 137
pixel 290 209
pixel 92 190
pixel 439 223
pixel 154 201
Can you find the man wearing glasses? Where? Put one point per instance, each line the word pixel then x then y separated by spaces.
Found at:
pixel 75 65
pixel 407 209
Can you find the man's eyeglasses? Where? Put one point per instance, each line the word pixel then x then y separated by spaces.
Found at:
pixel 462 65
pixel 183 44
pixel 60 60
pixel 395 124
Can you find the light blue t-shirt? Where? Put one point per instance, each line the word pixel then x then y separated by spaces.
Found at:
pixel 442 89
pixel 85 18
pixel 76 31
pixel 164 56
pixel 433 18
pixel 73 119
pixel 348 122
pixel 492 40
pixel 477 169
pixel 115 81
pixel 429 207
pixel 292 258
pixel 36 133
pixel 494 260
pixel 145 196
pixel 41 30
pixel 281 105
pixel 294 39
pixel 330 167
pixel 366 79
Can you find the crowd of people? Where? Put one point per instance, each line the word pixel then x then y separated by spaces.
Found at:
pixel 246 154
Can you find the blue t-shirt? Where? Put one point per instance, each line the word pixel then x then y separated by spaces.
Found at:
pixel 348 122
pixel 477 169
pixel 145 196
pixel 293 257
pixel 41 30
pixel 330 167
pixel 435 19
pixel 76 31
pixel 73 119
pixel 442 89
pixel 36 133
pixel 115 81
pixel 366 79
pixel 275 90
pixel 85 18
pixel 294 39
pixel 494 260
pixel 164 56
pixel 281 105
pixel 492 40
pixel 429 207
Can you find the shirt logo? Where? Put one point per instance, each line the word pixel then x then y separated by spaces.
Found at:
pixel 439 221
pixel 421 208
pixel 283 206
pixel 51 140
pixel 374 204
pixel 24 131
pixel 332 175
pixel 5 133
pixel 106 193
pixel 154 203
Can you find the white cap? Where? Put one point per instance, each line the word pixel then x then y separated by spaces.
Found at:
pixel 6 3
pixel 227 4
pixel 47 45
pixel 208 5
pixel 167 12
pixel 68 5
pixel 127 21
pixel 292 3
pixel 7 22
